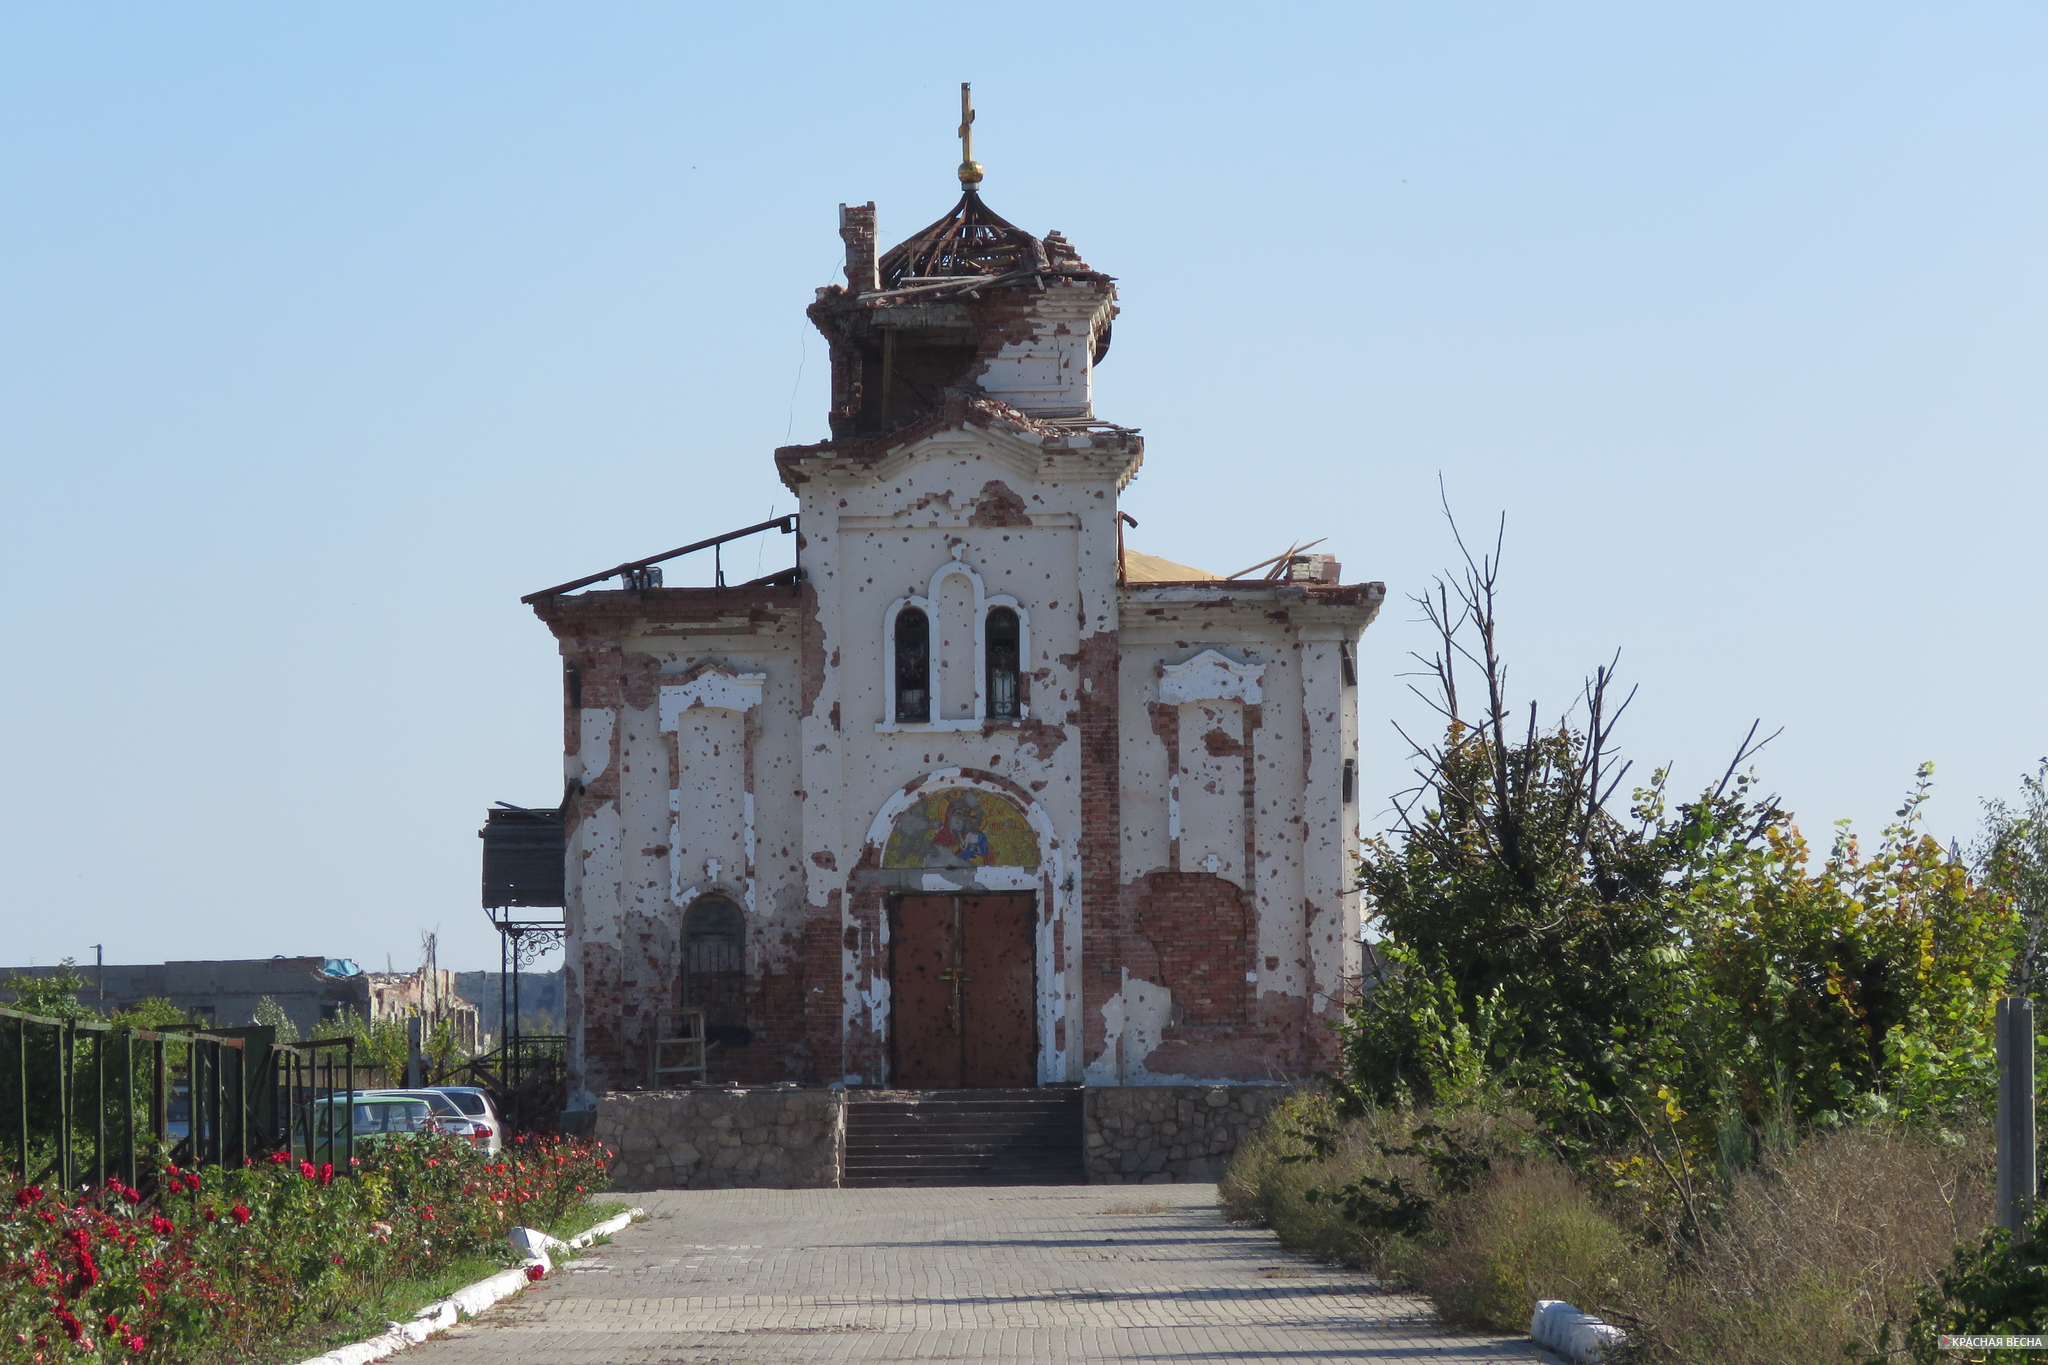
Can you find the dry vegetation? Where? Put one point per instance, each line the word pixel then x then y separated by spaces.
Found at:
pixel 1806 1256
pixel 1820 1246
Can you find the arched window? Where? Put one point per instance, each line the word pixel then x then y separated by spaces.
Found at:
pixel 913 667
pixel 715 968
pixel 1003 663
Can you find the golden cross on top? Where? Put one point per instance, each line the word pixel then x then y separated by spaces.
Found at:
pixel 970 169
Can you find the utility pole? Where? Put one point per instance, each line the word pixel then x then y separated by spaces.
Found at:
pixel 99 962
pixel 2016 1173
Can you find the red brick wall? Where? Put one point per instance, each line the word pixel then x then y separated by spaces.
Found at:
pixel 1200 930
pixel 1104 925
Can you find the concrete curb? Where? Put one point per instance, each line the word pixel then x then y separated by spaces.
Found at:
pixel 473 1299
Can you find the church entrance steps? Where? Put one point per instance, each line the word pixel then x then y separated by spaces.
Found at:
pixel 963 1137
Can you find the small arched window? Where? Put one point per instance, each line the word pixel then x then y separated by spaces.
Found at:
pixel 913 667
pixel 715 968
pixel 1003 663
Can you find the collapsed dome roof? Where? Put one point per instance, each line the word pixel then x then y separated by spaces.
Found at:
pixel 975 241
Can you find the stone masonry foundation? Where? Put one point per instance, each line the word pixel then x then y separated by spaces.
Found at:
pixel 768 1138
pixel 777 1137
pixel 1169 1134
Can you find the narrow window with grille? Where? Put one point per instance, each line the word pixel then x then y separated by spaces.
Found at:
pixel 913 667
pixel 1003 663
pixel 715 969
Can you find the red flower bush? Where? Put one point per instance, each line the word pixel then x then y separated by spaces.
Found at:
pixel 171 1278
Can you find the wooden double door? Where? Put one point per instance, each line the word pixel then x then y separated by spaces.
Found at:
pixel 962 977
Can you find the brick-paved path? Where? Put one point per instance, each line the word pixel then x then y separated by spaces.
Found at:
pixel 1061 1273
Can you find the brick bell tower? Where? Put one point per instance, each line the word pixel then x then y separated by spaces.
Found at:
pixel 972 305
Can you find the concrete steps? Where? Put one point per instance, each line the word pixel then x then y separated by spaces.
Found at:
pixel 963 1137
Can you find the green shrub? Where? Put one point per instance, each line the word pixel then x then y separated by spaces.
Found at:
pixel 1995 1286
pixel 1528 1231
pixel 1358 1188
pixel 1300 1147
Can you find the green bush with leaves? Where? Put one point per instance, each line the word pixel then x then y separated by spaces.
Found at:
pixel 1995 1286
pixel 1715 1032
pixel 1682 975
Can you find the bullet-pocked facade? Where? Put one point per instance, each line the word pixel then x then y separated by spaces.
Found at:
pixel 973 796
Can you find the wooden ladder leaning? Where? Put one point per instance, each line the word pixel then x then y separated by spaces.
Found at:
pixel 681 1046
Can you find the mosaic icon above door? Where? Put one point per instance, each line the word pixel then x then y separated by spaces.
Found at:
pixel 961 828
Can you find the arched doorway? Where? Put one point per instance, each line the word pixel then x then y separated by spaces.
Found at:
pixel 963 966
pixel 715 968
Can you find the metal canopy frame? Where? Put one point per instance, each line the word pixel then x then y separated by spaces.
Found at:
pixel 521 943
pixel 633 571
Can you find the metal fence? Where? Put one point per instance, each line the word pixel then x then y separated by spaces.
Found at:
pixel 527 1077
pixel 90 1100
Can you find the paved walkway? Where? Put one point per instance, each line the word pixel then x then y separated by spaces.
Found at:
pixel 1062 1273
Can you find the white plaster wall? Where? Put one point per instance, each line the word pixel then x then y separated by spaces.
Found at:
pixel 1280 880
pixel 1330 826
pixel 1211 791
pixel 871 541
pixel 1288 874
pixel 954 635
pixel 1050 372
pixel 720 786
pixel 711 799
pixel 1143 768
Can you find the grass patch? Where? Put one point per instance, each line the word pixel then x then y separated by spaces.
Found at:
pixel 398 1301
pixel 401 1300
pixel 585 1218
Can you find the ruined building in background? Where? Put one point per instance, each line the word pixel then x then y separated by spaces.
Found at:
pixel 316 993
pixel 972 797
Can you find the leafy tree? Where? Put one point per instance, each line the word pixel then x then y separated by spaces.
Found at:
pixel 54 996
pixel 1996 1286
pixel 383 1043
pixel 2013 858
pixel 1682 976
pixel 1526 921
pixel 1806 988
pixel 271 1015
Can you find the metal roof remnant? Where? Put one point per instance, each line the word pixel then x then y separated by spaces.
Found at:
pixel 637 575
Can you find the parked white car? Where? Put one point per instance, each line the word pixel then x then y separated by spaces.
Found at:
pixel 475 1103
pixel 449 1116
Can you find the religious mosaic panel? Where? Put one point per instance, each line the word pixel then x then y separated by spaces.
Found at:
pixel 961 828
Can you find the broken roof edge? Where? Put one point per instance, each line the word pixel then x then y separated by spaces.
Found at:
pixel 666 604
pixel 1221 591
pixel 960 411
pixel 838 296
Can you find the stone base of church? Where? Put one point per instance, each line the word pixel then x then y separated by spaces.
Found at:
pixel 782 1137
pixel 1170 1134
pixel 763 1138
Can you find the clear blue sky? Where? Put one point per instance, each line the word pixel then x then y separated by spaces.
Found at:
pixel 327 331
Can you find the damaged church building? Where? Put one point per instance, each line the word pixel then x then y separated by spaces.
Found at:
pixel 972 798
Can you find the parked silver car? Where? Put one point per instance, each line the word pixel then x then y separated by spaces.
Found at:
pixel 448 1116
pixel 476 1104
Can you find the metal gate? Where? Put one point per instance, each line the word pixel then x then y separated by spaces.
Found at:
pixel 962 980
